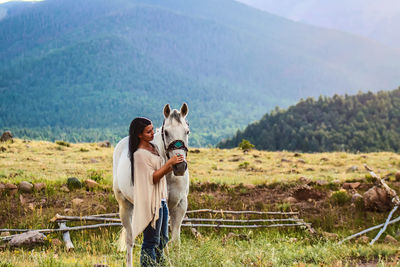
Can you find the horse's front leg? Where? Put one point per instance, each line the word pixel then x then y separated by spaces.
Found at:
pixel 177 213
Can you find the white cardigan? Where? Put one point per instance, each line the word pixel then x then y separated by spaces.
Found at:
pixel 147 195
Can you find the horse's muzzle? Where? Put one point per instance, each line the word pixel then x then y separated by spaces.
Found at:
pixel 180 168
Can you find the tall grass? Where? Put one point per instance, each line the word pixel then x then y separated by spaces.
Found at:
pixel 263 248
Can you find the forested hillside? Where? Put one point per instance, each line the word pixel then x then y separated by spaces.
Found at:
pixel 364 122
pixel 81 70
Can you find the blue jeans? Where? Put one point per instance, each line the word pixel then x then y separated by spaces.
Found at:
pixel 155 240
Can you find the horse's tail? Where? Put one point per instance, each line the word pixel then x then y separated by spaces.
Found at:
pixel 117 155
pixel 122 240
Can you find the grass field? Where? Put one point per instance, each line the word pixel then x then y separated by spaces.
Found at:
pixel 50 162
pixel 221 179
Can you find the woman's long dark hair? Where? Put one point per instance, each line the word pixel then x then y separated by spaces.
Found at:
pixel 137 126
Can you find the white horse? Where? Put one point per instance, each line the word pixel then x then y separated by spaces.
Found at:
pixel 171 139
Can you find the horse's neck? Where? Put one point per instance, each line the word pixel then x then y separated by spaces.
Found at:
pixel 159 143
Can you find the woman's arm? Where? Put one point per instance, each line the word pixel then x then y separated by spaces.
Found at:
pixel 166 168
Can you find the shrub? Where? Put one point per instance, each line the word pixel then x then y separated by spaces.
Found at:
pixel 245 145
pixel 83 150
pixel 73 183
pixel 244 165
pixel 284 207
pixel 95 175
pixel 62 143
pixel 340 197
pixel 369 178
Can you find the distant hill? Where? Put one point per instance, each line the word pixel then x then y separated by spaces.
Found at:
pixel 377 20
pixel 81 70
pixel 364 122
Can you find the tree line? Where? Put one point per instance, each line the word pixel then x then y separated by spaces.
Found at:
pixel 365 122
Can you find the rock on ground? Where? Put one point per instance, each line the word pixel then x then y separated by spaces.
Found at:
pixel 91 184
pixel 377 199
pixel 25 187
pixel 77 201
pixel 5 234
pixel 397 176
pixel 39 186
pixel 64 189
pixel 352 169
pixel 28 239
pixel 322 182
pixel 355 197
pixel 351 185
pixel 105 144
pixel 390 239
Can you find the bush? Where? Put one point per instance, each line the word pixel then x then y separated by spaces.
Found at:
pixel 244 165
pixel 95 175
pixel 369 178
pixel 62 143
pixel 340 197
pixel 245 145
pixel 73 183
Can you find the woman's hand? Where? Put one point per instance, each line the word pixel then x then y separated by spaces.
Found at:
pixel 175 160
pixel 167 167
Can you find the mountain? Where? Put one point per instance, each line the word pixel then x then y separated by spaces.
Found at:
pixel 82 70
pixel 377 20
pixel 365 122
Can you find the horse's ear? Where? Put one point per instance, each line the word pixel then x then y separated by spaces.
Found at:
pixel 167 110
pixel 184 110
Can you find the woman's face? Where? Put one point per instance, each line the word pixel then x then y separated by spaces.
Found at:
pixel 147 134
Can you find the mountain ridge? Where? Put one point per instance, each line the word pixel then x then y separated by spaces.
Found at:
pixel 129 58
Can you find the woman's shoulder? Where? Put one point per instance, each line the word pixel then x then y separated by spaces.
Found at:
pixel 141 152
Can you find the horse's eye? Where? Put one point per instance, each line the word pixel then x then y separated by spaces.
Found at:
pixel 187 132
pixel 166 133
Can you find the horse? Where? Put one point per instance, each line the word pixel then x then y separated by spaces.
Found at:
pixel 170 140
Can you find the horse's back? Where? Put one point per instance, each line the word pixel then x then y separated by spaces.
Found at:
pixel 122 170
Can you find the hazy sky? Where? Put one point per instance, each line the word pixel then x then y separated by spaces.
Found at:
pixel 4 1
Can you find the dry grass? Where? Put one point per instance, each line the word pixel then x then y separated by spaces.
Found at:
pixel 39 161
pixel 223 166
pixel 46 161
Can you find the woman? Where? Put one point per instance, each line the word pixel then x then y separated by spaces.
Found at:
pixel 150 213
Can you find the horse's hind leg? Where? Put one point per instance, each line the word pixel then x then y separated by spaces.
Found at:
pixel 125 213
pixel 177 214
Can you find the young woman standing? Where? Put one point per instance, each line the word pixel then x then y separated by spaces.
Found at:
pixel 150 212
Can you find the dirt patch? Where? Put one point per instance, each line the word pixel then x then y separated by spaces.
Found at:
pixel 313 202
pixel 305 192
pixel 28 210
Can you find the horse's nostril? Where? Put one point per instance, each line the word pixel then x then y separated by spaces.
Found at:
pixel 180 168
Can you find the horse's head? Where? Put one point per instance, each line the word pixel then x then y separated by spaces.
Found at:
pixel 174 132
